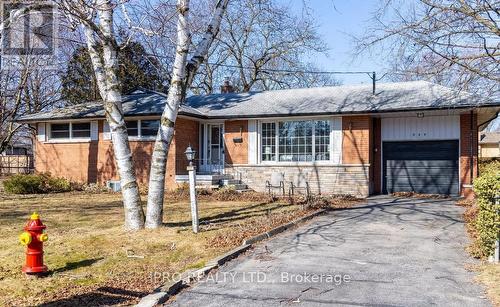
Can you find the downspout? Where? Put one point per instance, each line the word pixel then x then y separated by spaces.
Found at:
pixel 471 160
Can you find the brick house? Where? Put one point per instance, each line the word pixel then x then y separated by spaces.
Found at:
pixel 409 136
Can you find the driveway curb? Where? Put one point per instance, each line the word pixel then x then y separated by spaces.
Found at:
pixel 162 293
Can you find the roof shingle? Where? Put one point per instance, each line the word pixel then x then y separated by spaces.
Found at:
pixel 389 97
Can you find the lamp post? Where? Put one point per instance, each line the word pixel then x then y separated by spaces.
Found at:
pixel 190 156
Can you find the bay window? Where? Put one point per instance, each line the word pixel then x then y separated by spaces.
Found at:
pixel 295 141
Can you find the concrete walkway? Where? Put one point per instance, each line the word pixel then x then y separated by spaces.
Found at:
pixel 389 252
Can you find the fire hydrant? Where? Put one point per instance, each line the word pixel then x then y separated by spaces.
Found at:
pixel 33 237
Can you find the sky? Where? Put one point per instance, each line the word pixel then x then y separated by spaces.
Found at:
pixel 337 19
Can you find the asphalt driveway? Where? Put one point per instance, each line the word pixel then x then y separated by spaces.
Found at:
pixel 388 252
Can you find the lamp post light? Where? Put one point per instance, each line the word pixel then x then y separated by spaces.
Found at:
pixel 190 156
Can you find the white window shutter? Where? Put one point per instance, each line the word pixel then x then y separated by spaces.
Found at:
pixel 106 133
pixel 252 142
pixel 336 140
pixel 41 132
pixel 94 131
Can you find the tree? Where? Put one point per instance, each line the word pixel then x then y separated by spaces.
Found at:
pixel 136 69
pixel 268 49
pixel 183 73
pixel 96 19
pixel 25 89
pixel 451 42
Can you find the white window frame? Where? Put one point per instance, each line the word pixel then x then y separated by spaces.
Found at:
pixel 276 160
pixel 139 136
pixel 71 139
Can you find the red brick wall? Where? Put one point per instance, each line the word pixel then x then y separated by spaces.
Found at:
pixel 69 160
pixel 187 132
pixel 236 153
pixel 94 161
pixel 468 152
pixel 356 139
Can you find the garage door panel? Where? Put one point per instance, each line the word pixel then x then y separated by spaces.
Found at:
pixel 429 189
pixel 418 164
pixel 428 167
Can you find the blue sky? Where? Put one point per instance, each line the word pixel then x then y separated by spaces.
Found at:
pixel 337 19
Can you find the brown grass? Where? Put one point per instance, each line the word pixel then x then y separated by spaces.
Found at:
pixel 489 274
pixel 93 261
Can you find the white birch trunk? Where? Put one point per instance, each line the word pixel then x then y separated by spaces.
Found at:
pixel 182 77
pixel 105 64
pixel 154 211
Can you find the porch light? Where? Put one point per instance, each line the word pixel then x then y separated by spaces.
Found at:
pixel 190 154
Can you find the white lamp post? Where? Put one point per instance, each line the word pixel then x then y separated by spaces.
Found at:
pixel 190 155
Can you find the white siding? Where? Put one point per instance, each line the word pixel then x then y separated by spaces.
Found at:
pixel 41 132
pixel 106 134
pixel 94 130
pixel 425 128
pixel 336 140
pixel 252 142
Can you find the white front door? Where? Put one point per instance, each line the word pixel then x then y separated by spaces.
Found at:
pixel 213 147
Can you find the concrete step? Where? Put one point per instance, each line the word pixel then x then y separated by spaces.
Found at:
pixel 229 181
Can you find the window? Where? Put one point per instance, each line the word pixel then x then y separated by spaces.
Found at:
pixel 296 141
pixel 322 140
pixel 80 130
pixel 132 127
pixel 149 127
pixel 268 141
pixel 70 131
pixel 142 128
pixel 59 131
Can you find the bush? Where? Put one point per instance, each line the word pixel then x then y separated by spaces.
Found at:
pixel 489 165
pixel 34 184
pixel 487 222
pixel 23 184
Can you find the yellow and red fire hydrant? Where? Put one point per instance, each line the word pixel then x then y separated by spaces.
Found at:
pixel 33 237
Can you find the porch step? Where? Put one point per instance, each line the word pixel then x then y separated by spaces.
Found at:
pixel 230 181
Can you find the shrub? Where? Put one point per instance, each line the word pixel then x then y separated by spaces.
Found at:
pixel 487 222
pixel 489 165
pixel 34 184
pixel 23 184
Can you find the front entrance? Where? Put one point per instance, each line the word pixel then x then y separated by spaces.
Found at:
pixel 212 145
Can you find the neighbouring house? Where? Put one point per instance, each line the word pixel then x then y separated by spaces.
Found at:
pixel 408 136
pixel 489 145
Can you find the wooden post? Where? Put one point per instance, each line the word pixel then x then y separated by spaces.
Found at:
pixel 192 193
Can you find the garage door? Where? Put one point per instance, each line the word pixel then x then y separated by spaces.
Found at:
pixel 427 167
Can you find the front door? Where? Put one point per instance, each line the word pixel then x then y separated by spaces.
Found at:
pixel 213 142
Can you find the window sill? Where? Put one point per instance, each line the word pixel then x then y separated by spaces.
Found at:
pixel 141 138
pixel 59 141
pixel 287 163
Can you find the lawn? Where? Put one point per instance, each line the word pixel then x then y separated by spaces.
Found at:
pixel 93 261
pixel 489 274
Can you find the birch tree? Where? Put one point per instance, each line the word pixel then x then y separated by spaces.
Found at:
pixel 96 21
pixel 184 71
